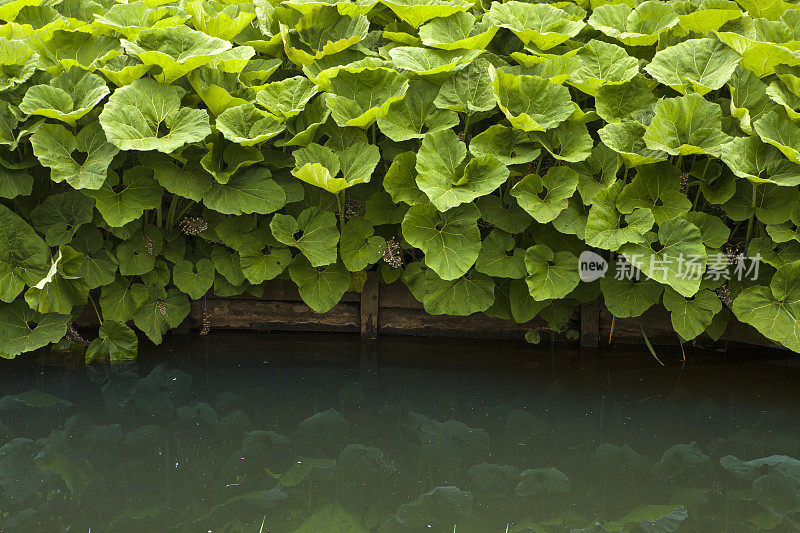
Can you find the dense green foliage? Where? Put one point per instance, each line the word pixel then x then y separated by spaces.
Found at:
pixel 153 151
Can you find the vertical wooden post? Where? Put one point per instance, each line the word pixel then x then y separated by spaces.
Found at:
pixel 369 307
pixel 590 325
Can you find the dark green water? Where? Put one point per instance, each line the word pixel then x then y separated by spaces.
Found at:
pixel 252 433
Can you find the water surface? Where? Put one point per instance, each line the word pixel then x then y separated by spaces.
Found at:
pixel 248 433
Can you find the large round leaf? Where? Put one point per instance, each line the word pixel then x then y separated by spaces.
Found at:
pixel 147 115
pixel 451 240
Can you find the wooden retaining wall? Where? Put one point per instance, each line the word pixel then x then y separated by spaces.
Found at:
pixel 392 310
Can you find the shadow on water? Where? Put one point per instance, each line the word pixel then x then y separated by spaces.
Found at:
pixel 314 433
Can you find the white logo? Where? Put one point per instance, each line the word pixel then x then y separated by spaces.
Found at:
pixel 591 266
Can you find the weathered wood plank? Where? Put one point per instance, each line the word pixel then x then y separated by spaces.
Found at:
pixel 398 321
pixel 265 315
pixel 590 325
pixel 370 307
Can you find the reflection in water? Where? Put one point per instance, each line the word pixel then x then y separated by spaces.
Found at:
pixel 245 436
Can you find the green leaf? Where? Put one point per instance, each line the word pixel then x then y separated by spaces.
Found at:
pixel 599 64
pixel 771 204
pixel 495 260
pixel 699 65
pixel 313 232
pixel 224 158
pixel 359 96
pixel 225 21
pixel 147 115
pixel 62 288
pixel 360 247
pixel 677 258
pixel 176 50
pixel 627 139
pixel 117 343
pixel 774 310
pixel 157 316
pixel 627 101
pixel 558 185
pixel 570 141
pixel 415 115
pixel 320 288
pixel 634 27
pixel 626 298
pixel 322 32
pixel 250 191
pixel 781 96
pixel 597 172
pixel 457 31
pixel 24 256
pixel 510 146
pixel 286 98
pixel 607 228
pixel 657 188
pixel 450 241
pixel 59 150
pixel 776 129
pixel 61 50
pixel 530 103
pixel 262 261
pixel 542 25
pixel 443 177
pixel 550 275
pixel 302 128
pixel 469 90
pixel 193 279
pixel 748 157
pixel 120 205
pixel 24 330
pixel 190 182
pixel 749 100
pixel 427 61
pixel 713 231
pixel 18 62
pixel 504 213
pixel 459 297
pixel 417 12
pixel 319 165
pixel 130 19
pixel 68 97
pixel 59 216
pixel 691 316
pixel 119 300
pixel 123 70
pixel 400 180
pixel 246 125
pixel 686 125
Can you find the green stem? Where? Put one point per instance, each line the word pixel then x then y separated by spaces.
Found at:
pixel 751 221
pixel 96 311
pixel 538 165
pixel 159 217
pixel 466 128
pixel 173 206
pixel 184 210
pixel 340 200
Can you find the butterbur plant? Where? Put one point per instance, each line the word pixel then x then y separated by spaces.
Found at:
pixel 156 152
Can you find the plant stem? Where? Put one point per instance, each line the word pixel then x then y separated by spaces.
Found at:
pixel 96 311
pixel 466 128
pixel 340 199
pixel 184 210
pixel 751 221
pixel 173 206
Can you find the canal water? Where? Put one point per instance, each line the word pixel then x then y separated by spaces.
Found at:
pixel 254 433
